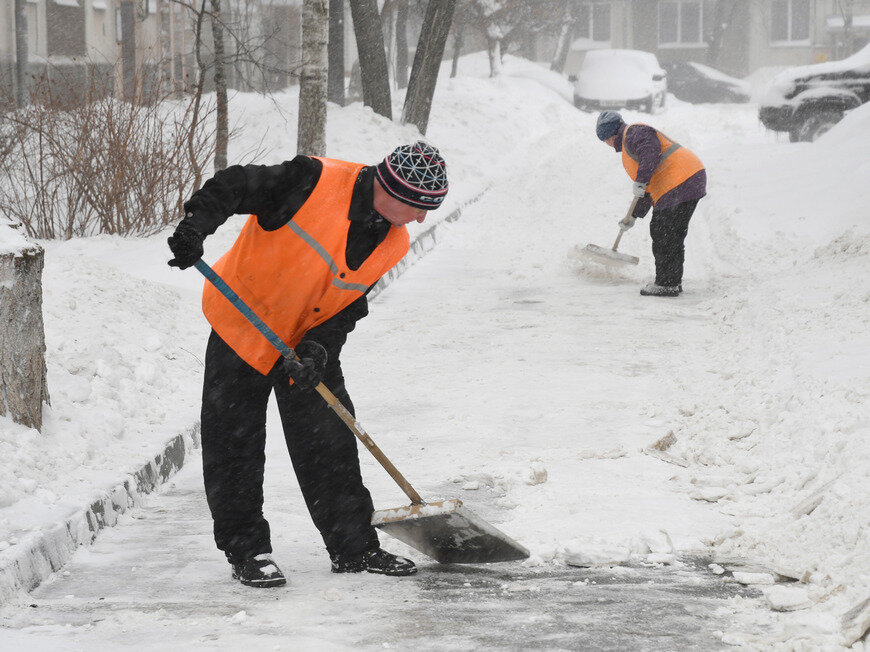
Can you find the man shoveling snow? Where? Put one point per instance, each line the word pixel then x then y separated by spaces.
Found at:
pixel 668 177
pixel 321 234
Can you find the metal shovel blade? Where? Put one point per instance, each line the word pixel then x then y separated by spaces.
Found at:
pixel 449 533
pixel 608 256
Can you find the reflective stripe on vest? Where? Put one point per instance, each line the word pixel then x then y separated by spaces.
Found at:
pixel 296 278
pixel 298 230
pixel 677 163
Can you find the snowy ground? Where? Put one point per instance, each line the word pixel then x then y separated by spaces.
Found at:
pixel 506 370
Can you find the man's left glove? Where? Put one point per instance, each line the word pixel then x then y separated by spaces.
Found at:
pixel 639 189
pixel 307 371
pixel 186 246
pixel 626 223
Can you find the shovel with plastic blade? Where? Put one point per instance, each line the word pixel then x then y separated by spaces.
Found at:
pixel 444 530
pixel 611 256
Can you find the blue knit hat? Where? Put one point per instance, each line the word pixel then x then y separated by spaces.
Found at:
pixel 608 124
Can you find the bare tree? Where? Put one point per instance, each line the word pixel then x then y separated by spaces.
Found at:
pixel 427 62
pixel 402 43
pixel 464 15
pixel 372 58
pixel 724 14
pixel 311 137
pixel 489 12
pixel 847 10
pixel 566 37
pixel 128 48
pixel 21 55
pixel 335 49
pixel 220 84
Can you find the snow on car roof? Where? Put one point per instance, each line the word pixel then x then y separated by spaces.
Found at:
pixel 718 75
pixel 645 60
pixel 859 61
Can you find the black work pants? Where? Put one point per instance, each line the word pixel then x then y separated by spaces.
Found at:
pixel 668 228
pixel 322 449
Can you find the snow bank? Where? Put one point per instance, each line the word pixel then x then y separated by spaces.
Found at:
pixel 12 240
pixel 780 436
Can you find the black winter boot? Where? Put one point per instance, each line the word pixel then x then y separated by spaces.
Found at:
pixel 259 571
pixel 373 561
pixel 653 290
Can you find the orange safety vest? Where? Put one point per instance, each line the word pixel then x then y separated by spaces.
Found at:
pixel 296 276
pixel 677 164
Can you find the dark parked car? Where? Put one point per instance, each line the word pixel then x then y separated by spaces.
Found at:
pixel 700 84
pixel 808 100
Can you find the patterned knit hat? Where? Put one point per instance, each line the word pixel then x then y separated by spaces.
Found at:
pixel 415 175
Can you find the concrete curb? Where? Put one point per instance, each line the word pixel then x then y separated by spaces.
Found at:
pixel 42 553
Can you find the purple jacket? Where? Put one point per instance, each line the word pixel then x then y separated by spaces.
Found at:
pixel 644 143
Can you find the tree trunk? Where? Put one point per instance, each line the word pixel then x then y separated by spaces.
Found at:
pixel 566 37
pixel 372 58
pixel 402 44
pixel 722 19
pixel 21 54
pixel 220 86
pixel 311 139
pixel 427 61
pixel 336 52
pixel 128 49
pixel 23 387
pixel 458 37
pixel 493 50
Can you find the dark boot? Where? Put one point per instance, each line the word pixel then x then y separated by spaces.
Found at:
pixel 373 561
pixel 259 571
pixel 653 290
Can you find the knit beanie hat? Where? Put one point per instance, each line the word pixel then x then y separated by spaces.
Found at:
pixel 608 124
pixel 415 174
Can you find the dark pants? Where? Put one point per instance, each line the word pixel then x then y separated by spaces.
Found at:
pixel 668 228
pixel 323 451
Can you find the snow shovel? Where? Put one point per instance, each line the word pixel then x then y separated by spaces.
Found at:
pixel 444 530
pixel 603 255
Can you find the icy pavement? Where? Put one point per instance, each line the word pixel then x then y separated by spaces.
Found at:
pixel 155 582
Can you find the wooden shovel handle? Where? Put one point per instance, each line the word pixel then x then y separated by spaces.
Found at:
pixel 357 429
pixel 328 396
pixel 627 215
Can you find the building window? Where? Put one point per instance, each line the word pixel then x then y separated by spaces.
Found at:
pixel 680 22
pixel 789 21
pixel 594 21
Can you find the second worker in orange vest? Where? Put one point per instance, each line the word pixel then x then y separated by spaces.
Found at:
pixel 667 176
pixel 321 232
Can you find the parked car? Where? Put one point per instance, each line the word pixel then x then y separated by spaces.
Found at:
pixel 806 101
pixel 700 84
pixel 616 79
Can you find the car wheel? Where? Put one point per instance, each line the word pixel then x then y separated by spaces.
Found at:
pixel 817 124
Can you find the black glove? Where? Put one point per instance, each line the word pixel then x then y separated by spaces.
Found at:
pixel 307 371
pixel 186 246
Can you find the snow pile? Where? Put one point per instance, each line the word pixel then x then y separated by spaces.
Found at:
pixel 779 435
pixel 12 238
